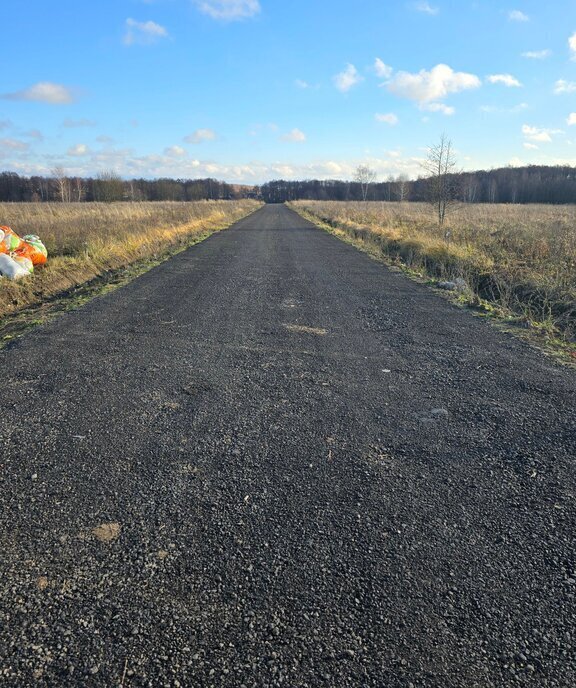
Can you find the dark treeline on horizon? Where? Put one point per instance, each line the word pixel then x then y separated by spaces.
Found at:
pixel 110 187
pixel 532 184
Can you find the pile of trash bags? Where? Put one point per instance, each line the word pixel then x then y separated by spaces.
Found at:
pixel 19 256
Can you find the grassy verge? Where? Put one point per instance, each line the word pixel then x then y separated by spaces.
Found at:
pixel 98 247
pixel 519 264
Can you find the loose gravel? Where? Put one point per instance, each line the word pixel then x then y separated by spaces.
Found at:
pixel 270 462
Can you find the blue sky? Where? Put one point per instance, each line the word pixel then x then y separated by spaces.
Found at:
pixel 252 90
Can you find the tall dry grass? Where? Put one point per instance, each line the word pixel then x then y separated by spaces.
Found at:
pixel 85 240
pixel 521 258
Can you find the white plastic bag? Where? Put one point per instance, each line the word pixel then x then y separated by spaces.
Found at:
pixel 24 262
pixel 12 269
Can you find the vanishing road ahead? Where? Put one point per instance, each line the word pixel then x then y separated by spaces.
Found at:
pixel 271 461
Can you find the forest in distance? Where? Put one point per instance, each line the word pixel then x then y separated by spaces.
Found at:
pixel 530 184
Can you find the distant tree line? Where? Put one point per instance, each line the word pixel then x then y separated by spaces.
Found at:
pixel 532 184
pixel 109 187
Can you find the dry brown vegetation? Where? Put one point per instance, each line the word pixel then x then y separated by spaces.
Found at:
pixel 85 240
pixel 518 258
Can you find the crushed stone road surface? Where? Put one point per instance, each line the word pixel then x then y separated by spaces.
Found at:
pixel 271 461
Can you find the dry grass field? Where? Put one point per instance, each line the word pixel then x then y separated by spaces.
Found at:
pixel 85 240
pixel 520 259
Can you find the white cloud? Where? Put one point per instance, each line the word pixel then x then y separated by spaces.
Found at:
pixel 14 145
pixel 518 16
pixel 388 118
pixel 78 150
pixel 506 79
pixel 537 54
pixel 427 87
pixel 201 135
pixel 302 84
pixel 572 45
pixel 348 78
pixel 571 119
pixel 294 136
pixel 562 86
pixel 530 146
pixel 228 10
pixel 129 165
pixel 175 152
pixel 540 135
pixel 425 8
pixel 382 70
pixel 43 92
pixel 143 33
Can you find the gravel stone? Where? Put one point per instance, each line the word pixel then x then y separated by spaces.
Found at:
pixel 279 509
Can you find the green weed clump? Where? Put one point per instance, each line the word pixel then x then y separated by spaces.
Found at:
pixel 520 259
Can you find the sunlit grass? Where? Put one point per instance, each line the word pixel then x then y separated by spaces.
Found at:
pixel 86 239
pixel 520 257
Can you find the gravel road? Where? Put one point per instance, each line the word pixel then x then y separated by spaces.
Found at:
pixel 271 461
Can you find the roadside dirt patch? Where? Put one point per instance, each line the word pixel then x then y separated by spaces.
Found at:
pixel 42 583
pixel 107 532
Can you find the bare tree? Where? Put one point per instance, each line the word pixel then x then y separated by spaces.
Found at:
pixel 442 183
pixel 364 176
pixel 401 187
pixel 79 189
pixel 62 186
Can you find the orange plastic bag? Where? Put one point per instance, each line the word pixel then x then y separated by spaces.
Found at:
pixel 31 247
pixel 10 240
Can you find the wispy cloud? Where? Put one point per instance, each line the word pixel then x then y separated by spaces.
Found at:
pixel 228 10
pixel 518 16
pixel 428 87
pixel 175 152
pixel 387 118
pixel 301 84
pixel 156 165
pixel 439 107
pixel 425 8
pixel 540 135
pixel 76 123
pixel 345 80
pixel 516 108
pixel 200 136
pixel 506 79
pixel 571 119
pixel 572 45
pixel 14 145
pixel 537 54
pixel 79 150
pixel 35 134
pixel 530 146
pixel 143 33
pixel 294 136
pixel 562 86
pixel 43 92
pixel 382 70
